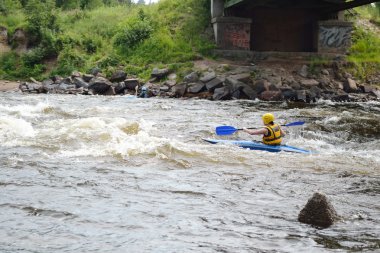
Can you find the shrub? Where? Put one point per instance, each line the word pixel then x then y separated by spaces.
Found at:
pixel 68 4
pixel 133 34
pixel 137 37
pixel 12 22
pixel 161 47
pixel 91 45
pixel 68 61
pixel 365 46
pixel 40 16
pixel 365 53
pixel 9 6
pixel 108 61
pixel 33 57
pixel 90 4
pixel 13 67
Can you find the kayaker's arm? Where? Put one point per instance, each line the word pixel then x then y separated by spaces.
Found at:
pixel 282 133
pixel 261 131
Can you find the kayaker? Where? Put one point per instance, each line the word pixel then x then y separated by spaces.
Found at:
pixel 272 132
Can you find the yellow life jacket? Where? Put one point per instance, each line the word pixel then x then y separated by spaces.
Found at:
pixel 274 135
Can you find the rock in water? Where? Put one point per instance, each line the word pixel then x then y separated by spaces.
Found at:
pixel 318 212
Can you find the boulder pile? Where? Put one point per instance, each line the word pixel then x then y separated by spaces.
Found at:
pixel 220 82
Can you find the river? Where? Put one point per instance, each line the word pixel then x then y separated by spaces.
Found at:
pixel 117 174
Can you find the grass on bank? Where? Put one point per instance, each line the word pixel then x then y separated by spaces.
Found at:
pixel 370 12
pixel 13 21
pixel 364 53
pixel 138 38
pixel 135 38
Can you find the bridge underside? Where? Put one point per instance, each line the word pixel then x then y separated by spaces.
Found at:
pixel 288 25
pixel 325 5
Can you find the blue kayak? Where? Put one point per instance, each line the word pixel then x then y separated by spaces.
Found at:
pixel 254 145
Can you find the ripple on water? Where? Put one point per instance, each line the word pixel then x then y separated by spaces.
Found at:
pixel 82 174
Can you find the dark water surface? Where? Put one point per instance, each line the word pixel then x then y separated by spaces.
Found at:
pixel 115 174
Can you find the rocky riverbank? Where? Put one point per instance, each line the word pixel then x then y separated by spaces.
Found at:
pixel 8 86
pixel 215 81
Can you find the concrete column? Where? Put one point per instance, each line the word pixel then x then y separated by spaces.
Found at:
pixel 334 36
pixel 217 8
pixel 232 33
pixel 341 16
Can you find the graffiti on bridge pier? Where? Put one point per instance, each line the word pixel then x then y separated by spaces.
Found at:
pixel 238 36
pixel 334 36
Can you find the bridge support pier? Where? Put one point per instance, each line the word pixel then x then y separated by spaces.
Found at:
pixel 217 8
pixel 232 33
pixel 266 26
pixel 334 36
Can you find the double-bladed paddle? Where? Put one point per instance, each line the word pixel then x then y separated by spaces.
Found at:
pixel 227 130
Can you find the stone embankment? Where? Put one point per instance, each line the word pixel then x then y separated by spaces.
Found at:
pixel 219 82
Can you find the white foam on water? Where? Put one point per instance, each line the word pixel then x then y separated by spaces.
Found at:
pixel 324 102
pixel 106 136
pixel 15 131
pixel 25 110
pixel 331 120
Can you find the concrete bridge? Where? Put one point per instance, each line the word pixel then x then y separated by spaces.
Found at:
pixel 283 25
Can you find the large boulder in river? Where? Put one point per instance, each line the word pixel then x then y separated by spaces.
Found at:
pixel 79 82
pixel 271 95
pixel 242 77
pixel 119 87
pixel 261 85
pixel 207 77
pixel 100 86
pixel 191 78
pixel 376 92
pixel 118 76
pixel 222 93
pixel 159 73
pixel 32 87
pixel 179 89
pixel 87 77
pixel 196 87
pixel 289 94
pixel 214 84
pixel 248 93
pixel 303 71
pixel 132 84
pixel 318 212
pixel 350 86
pixel 233 84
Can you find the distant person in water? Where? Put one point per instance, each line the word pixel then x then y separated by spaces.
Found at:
pixel 272 133
pixel 144 92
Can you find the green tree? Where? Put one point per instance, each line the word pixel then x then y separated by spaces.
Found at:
pixel 40 18
pixel 68 4
pixel 135 32
pixel 111 2
pixel 7 6
pixel 90 4
pixel 24 2
pixel 141 2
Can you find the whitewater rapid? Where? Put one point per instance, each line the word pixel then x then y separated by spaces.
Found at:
pixel 117 174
